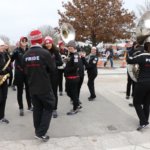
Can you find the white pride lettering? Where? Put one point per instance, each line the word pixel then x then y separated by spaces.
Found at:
pixel 33 58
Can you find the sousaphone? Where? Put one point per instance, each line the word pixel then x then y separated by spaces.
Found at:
pixel 142 36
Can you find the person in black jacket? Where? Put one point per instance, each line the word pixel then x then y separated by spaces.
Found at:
pixel 72 77
pixel 20 78
pixel 130 81
pixel 109 54
pixel 49 45
pixel 64 53
pixel 81 72
pixel 38 64
pixel 136 49
pixel 4 63
pixel 91 66
pixel 141 99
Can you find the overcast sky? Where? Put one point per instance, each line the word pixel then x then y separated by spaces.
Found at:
pixel 18 17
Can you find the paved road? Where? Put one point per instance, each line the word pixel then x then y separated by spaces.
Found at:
pixel 106 123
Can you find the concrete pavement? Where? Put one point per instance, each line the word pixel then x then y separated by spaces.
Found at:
pixel 107 123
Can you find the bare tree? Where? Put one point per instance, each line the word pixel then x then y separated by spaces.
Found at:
pixel 50 31
pixel 47 30
pixel 5 39
pixel 98 20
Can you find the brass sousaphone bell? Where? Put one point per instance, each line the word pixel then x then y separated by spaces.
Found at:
pixel 67 32
pixel 143 29
pixel 142 36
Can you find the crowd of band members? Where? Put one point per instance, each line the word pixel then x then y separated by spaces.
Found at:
pixel 139 54
pixel 64 61
pixel 36 74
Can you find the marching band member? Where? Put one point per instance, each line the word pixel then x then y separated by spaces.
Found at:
pixel 38 64
pixel 4 74
pixel 141 98
pixel 72 77
pixel 63 52
pixel 20 78
pixel 109 55
pixel 81 72
pixel 49 45
pixel 91 66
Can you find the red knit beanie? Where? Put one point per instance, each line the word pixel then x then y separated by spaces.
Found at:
pixel 36 37
pixel 48 40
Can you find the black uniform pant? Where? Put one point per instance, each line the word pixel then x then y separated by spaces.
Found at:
pixel 91 78
pixel 80 84
pixel 3 97
pixel 54 82
pixel 130 83
pixel 20 85
pixel 141 101
pixel 60 79
pixel 72 91
pixel 42 112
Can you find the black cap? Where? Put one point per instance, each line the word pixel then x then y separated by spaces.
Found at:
pixel 71 44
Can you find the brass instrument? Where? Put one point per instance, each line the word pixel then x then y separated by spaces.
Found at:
pixel 142 35
pixel 133 71
pixel 67 32
pixel 143 29
pixel 3 78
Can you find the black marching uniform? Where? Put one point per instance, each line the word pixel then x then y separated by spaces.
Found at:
pixel 72 80
pixel 133 51
pixel 130 82
pixel 20 78
pixel 141 99
pixel 91 66
pixel 63 53
pixel 81 74
pixel 38 65
pixel 4 58
pixel 56 58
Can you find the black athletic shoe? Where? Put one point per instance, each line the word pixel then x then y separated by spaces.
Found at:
pixel 131 105
pixel 80 102
pixel 21 112
pixel 55 115
pixel 72 112
pixel 44 138
pixel 142 126
pixel 13 88
pixel 30 108
pixel 4 121
pixel 91 98
pixel 61 93
pixel 79 107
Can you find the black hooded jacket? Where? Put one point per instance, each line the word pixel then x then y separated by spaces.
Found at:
pixel 38 65
pixel 143 60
